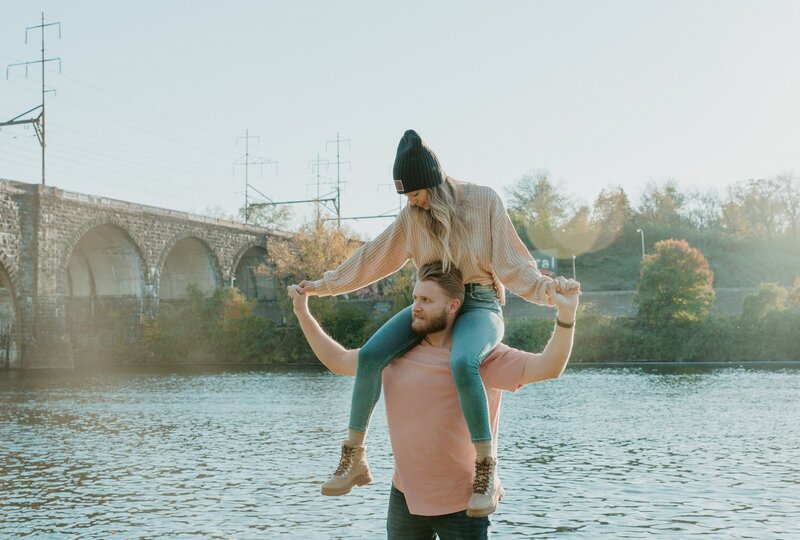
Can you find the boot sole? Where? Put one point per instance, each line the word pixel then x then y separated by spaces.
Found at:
pixel 362 480
pixel 483 512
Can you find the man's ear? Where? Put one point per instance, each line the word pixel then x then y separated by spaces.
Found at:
pixel 455 305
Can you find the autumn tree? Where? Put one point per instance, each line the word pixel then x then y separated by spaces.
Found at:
pixel 316 247
pixel 675 285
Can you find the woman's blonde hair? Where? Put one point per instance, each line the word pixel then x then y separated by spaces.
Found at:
pixel 443 222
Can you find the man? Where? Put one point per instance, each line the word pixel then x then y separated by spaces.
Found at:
pixel 434 479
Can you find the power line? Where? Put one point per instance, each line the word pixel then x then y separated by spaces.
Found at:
pixel 39 121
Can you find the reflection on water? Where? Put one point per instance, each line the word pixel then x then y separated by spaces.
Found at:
pixel 613 453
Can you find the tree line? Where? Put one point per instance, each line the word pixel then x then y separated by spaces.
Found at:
pixel 549 218
pixel 674 282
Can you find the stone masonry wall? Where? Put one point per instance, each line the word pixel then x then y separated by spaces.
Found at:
pixel 9 231
pixel 40 226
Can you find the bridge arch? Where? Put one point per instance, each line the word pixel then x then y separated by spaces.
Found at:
pixel 10 322
pixel 187 260
pixel 250 269
pixel 103 259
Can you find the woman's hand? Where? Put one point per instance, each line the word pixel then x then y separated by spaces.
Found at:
pixel 306 287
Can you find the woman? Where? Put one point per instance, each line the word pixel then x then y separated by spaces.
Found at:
pixel 462 225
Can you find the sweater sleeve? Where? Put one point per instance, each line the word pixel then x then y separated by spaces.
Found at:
pixel 512 263
pixel 374 260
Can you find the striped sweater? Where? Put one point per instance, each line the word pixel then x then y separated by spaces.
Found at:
pixel 493 254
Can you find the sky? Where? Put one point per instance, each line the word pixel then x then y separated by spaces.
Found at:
pixel 152 98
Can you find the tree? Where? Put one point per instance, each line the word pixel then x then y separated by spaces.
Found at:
pixel 316 247
pixel 662 204
pixel 756 207
pixel 789 187
pixel 675 285
pixel 703 209
pixel 538 208
pixel 578 235
pixel 768 298
pixel 612 211
pixel 269 217
pixel 794 295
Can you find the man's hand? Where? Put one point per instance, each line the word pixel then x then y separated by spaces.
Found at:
pixel 563 293
pixel 335 357
pixel 299 300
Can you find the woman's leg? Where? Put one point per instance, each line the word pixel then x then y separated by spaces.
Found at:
pixel 476 332
pixel 391 340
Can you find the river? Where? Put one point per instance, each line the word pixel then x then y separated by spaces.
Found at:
pixel 611 452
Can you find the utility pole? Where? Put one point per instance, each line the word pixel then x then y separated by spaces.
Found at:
pixel 247 163
pixel 334 197
pixel 331 197
pixel 38 122
pixel 339 162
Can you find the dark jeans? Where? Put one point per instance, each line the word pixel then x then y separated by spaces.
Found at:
pixel 402 525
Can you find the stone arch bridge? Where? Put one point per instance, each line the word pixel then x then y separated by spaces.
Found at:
pixel 70 263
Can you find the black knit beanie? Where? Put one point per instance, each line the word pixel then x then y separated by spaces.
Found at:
pixel 415 166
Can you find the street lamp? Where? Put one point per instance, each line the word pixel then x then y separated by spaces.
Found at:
pixel 573 267
pixel 641 232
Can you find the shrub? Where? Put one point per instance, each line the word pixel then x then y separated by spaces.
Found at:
pixel 675 285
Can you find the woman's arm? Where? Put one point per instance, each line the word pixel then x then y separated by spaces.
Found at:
pixel 374 260
pixel 511 261
pixel 336 358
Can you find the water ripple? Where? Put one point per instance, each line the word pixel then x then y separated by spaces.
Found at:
pixel 617 453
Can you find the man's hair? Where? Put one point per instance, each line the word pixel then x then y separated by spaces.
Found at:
pixel 451 280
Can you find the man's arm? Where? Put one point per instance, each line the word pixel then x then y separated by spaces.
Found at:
pixel 552 361
pixel 336 358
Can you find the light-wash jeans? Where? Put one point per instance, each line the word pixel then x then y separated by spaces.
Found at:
pixel 478 329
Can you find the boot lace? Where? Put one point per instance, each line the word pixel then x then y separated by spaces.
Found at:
pixel 483 475
pixel 346 460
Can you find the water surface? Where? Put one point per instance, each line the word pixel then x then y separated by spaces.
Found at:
pixel 602 452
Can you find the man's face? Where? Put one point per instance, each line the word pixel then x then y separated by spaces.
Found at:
pixel 430 308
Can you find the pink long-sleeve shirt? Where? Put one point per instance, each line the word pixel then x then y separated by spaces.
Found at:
pixel 492 252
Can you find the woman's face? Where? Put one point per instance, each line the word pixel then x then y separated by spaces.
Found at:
pixel 419 198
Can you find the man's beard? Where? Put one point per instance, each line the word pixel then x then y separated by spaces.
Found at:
pixel 430 325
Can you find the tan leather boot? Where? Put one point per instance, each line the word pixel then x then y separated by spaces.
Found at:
pixel 487 491
pixel 353 471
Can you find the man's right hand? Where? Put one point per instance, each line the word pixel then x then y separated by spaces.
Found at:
pixel 563 293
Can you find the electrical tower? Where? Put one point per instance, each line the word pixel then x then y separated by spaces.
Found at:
pixel 38 121
pixel 259 161
pixel 334 197
pixel 339 162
